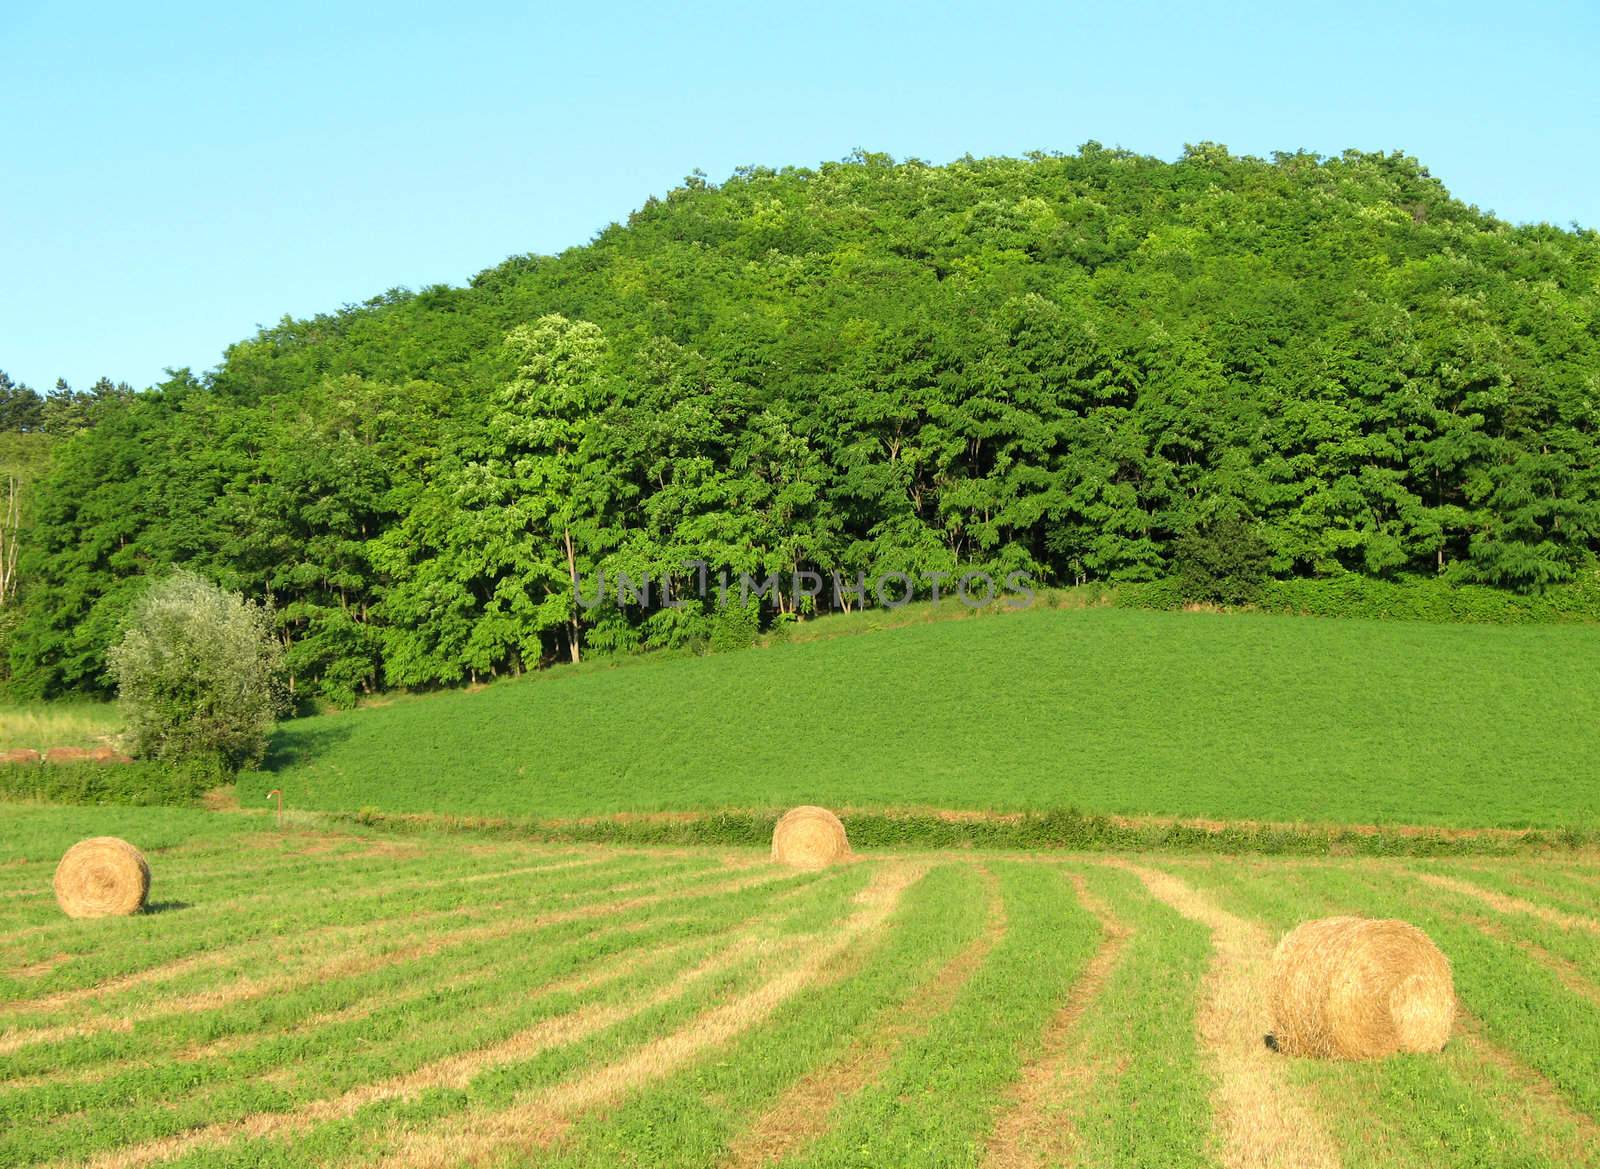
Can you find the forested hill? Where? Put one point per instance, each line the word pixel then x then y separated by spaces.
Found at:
pixel 1088 367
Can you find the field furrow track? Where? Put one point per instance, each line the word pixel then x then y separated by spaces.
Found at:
pixel 1032 1132
pixel 1262 1117
pixel 802 1114
pixel 348 999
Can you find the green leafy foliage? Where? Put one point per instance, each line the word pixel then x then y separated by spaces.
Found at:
pixel 1060 830
pixel 198 676
pixel 1226 562
pixel 1067 365
pixel 21 408
pixel 1430 599
pixel 734 627
pixel 138 783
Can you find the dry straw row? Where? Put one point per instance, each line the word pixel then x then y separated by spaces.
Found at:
pixel 1341 987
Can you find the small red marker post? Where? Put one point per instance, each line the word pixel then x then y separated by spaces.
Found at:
pixel 278 791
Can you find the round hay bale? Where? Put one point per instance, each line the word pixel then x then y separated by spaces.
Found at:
pixel 1359 988
pixel 102 877
pixel 809 838
pixel 67 755
pixel 21 755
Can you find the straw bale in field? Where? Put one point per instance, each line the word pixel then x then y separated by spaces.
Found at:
pixel 101 877
pixel 1359 988
pixel 809 838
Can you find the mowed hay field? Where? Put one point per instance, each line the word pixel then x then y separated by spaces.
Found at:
pixel 1235 717
pixel 297 996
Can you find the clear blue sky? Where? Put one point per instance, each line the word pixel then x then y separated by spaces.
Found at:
pixel 178 173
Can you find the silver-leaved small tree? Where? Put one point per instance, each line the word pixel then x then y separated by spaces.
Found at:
pixel 199 676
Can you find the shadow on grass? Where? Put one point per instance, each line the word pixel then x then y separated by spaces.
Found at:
pixel 295 746
pixel 167 906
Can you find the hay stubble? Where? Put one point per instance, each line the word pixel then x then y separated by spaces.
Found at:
pixel 1505 903
pixel 1537 1095
pixel 1263 1120
pixel 805 1111
pixel 455 1071
pixel 352 960
pixel 669 1037
pixel 1028 1134
pixel 536 1118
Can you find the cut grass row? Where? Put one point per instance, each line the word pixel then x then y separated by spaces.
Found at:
pixel 1026 831
pixel 1455 1107
pixel 698 1009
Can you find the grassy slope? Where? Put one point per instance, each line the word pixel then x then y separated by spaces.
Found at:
pixel 1104 710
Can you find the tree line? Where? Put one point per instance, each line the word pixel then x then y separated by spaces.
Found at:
pixel 63 411
pixel 1087 367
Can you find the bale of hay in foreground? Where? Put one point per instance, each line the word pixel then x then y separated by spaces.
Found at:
pixel 1359 988
pixel 102 877
pixel 809 838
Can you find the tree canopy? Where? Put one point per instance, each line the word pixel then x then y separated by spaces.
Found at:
pixel 1079 366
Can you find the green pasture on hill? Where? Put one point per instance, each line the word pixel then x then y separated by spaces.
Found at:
pixel 1109 711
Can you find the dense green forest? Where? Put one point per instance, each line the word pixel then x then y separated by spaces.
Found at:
pixel 1089 367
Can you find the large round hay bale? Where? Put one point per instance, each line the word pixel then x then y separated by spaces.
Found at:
pixel 102 877
pixel 1359 988
pixel 809 838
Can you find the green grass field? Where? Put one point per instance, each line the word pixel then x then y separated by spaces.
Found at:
pixel 1239 717
pixel 58 724
pixel 300 997
pixel 324 993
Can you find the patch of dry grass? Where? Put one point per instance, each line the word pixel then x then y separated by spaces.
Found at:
pixel 1030 1134
pixel 326 1001
pixel 1262 1119
pixel 58 724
